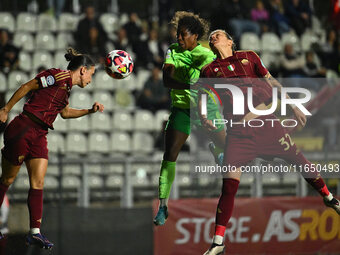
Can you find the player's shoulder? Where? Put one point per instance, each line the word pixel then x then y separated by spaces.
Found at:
pixel 174 46
pixel 246 54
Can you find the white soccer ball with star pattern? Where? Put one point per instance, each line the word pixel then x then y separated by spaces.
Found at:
pixel 118 64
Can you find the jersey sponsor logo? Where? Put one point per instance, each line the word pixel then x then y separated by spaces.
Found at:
pixel 216 69
pixel 50 80
pixel 21 158
pixel 244 61
pixel 168 54
pixel 43 81
pixel 231 67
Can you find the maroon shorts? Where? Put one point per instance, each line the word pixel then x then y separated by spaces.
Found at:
pixel 24 139
pixel 244 144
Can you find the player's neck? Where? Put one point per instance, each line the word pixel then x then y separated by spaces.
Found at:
pixel 225 53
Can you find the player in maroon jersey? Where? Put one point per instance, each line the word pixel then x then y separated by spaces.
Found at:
pixel 25 136
pixel 245 143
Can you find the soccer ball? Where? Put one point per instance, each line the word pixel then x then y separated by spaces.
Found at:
pixel 118 64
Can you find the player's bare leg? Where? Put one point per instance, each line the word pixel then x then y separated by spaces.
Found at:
pixel 174 141
pixel 36 169
pixel 224 210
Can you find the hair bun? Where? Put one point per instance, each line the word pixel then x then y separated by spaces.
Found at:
pixel 71 54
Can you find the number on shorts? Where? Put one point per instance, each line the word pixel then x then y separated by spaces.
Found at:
pixel 285 143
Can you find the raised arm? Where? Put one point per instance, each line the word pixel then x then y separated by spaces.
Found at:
pixel 68 112
pixel 301 117
pixel 18 94
pixel 169 81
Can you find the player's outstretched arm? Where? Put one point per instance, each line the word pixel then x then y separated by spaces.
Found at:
pixel 68 112
pixel 18 94
pixel 300 116
pixel 169 81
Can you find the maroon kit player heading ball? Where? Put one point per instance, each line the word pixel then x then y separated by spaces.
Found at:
pixel 245 143
pixel 25 136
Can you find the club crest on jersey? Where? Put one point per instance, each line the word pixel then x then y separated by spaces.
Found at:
pixel 244 61
pixel 50 80
pixel 231 67
pixel 216 69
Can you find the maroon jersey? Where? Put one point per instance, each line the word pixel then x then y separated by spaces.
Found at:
pixel 242 69
pixel 51 97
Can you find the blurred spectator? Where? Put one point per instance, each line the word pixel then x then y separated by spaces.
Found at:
pixel 133 28
pixel 299 15
pixel 154 95
pixel 312 67
pixel 149 52
pixel 240 21
pixel 335 14
pixel 90 36
pixel 55 7
pixel 279 22
pixel 260 14
pixel 329 53
pixel 9 54
pixel 291 63
pixel 122 41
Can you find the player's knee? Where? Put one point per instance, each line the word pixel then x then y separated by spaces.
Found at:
pixel 7 180
pixel 170 155
pixel 37 184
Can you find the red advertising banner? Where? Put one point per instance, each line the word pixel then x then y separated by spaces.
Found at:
pixel 272 225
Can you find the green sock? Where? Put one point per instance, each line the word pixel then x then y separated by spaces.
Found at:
pixel 166 178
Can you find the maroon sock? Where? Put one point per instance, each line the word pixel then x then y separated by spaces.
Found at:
pixel 226 203
pixel 318 184
pixel 35 207
pixel 3 190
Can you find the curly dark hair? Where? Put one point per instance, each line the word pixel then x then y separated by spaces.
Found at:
pixel 193 22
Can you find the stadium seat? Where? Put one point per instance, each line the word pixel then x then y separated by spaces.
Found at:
pixel 42 58
pixel 142 77
pixel 293 39
pixel 122 121
pixel 60 124
pixel 70 182
pixel 68 22
pixel 95 181
pixel 45 41
pixel 290 178
pixel 123 19
pixel 26 22
pixel 22 183
pixel 99 143
pixel 140 179
pixel 114 181
pixel 250 41
pixel 16 79
pixel 120 142
pixel 81 99
pixel 270 42
pixel 105 98
pixel 270 178
pixel 115 168
pixel 247 179
pixel 142 142
pixel 59 60
pixel 124 100
pixel 307 40
pixel 47 23
pixel 76 143
pixel 7 21
pixel 24 40
pixel 3 83
pixel 144 120
pixel 183 180
pixel 79 124
pixel 101 121
pixel 56 142
pixel 109 22
pixel 50 182
pixel 141 168
pixel 72 169
pixel 269 60
pixel 52 169
pixel 25 61
pixel 64 40
pixel 160 117
pixel 129 83
pixel 103 81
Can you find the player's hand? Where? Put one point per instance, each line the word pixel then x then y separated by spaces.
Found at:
pixel 300 116
pixel 3 115
pixel 208 124
pixel 97 107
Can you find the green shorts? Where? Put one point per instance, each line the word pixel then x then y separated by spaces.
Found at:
pixel 180 119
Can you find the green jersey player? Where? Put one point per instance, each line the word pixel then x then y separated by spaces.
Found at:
pixel 183 63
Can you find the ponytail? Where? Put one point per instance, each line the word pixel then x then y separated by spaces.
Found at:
pixel 77 60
